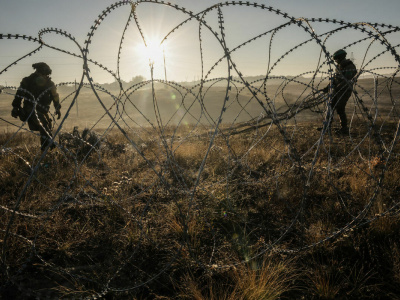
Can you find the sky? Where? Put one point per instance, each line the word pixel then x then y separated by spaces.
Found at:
pixel 179 58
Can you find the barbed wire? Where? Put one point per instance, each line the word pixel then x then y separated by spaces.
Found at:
pixel 276 127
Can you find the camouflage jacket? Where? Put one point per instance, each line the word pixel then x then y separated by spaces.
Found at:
pixel 37 88
pixel 345 72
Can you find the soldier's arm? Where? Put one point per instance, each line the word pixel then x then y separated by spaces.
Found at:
pixel 56 101
pixel 20 94
pixel 56 98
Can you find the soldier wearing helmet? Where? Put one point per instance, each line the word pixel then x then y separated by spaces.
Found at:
pixel 342 87
pixel 37 92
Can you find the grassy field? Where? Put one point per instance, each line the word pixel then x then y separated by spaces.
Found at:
pixel 176 212
pixel 176 219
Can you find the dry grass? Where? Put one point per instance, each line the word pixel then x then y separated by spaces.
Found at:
pixel 268 281
pixel 124 220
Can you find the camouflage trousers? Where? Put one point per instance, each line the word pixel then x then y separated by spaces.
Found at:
pixel 39 121
pixel 339 102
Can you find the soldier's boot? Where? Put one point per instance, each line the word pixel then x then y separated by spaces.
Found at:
pixel 45 141
pixel 343 125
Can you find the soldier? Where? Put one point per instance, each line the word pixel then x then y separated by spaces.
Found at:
pixel 341 89
pixel 38 91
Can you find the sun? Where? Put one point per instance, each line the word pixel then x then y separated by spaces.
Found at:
pixel 151 57
pixel 153 52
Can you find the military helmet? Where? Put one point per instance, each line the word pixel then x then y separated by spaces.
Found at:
pixel 42 68
pixel 340 53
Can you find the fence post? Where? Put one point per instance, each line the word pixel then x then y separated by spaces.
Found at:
pixel 77 111
pixel 376 90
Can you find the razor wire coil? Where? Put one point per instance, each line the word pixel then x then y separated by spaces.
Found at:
pixel 170 174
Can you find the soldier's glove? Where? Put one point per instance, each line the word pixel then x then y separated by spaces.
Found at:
pixel 15 112
pixel 58 113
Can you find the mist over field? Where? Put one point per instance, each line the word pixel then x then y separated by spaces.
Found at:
pixel 186 104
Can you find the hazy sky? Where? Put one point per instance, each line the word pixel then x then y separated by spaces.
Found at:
pixel 181 51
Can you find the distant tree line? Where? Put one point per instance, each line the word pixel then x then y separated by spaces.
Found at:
pixel 125 84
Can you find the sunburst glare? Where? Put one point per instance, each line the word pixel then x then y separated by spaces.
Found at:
pixel 153 52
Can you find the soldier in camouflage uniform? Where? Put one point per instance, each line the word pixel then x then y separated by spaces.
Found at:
pixel 38 91
pixel 342 88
